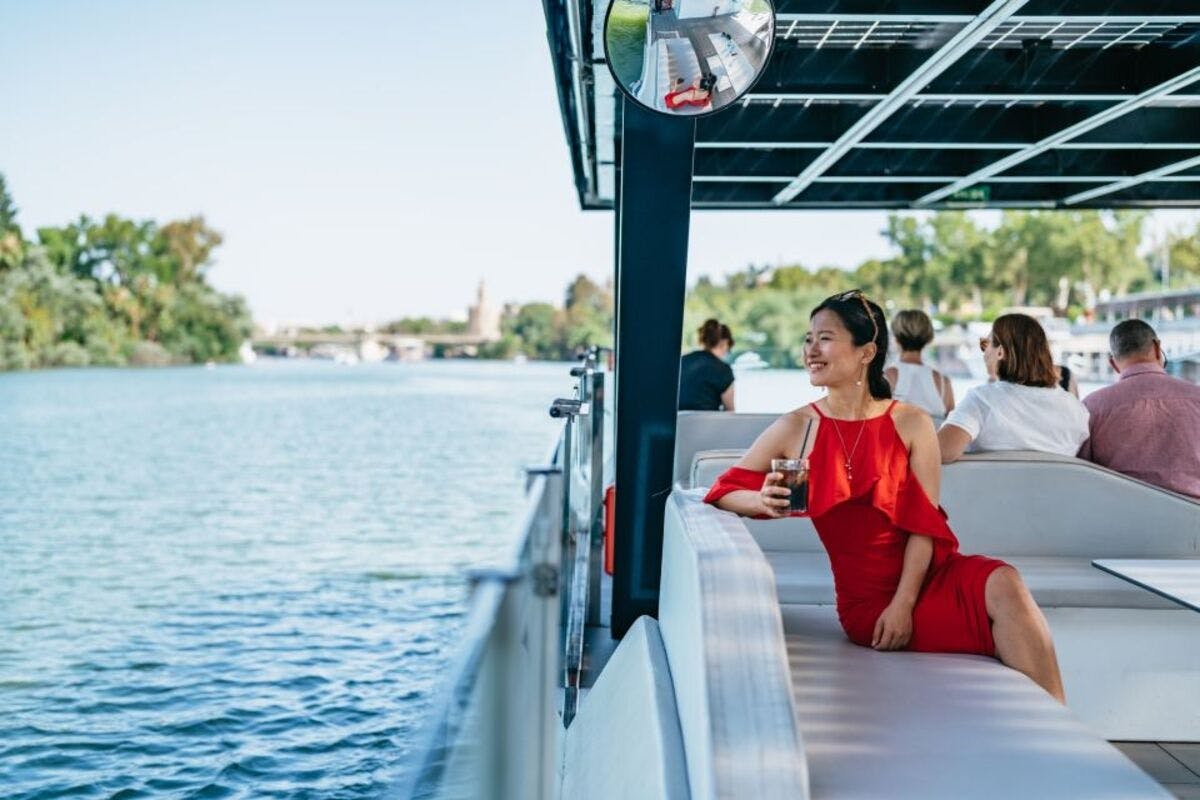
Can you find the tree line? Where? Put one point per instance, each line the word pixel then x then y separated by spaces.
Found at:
pixel 114 291
pixel 948 263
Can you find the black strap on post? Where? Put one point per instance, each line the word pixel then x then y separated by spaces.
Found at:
pixel 652 215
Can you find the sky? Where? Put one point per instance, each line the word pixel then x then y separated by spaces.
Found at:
pixel 364 159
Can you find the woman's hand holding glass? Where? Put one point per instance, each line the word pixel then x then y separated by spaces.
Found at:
pixel 774 497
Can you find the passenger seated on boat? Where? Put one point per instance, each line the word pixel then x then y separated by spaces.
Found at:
pixel 705 380
pixel 1146 425
pixel 912 380
pixel 1023 407
pixel 698 94
pixel 873 488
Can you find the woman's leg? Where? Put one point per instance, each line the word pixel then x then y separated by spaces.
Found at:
pixel 1020 631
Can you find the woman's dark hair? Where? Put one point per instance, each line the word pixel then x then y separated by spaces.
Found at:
pixel 1027 358
pixel 866 323
pixel 712 333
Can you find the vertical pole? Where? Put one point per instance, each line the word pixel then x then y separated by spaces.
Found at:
pixel 596 506
pixel 652 218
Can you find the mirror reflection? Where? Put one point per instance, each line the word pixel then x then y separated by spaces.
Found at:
pixel 687 57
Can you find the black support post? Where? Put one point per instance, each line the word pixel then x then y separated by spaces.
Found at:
pixel 653 213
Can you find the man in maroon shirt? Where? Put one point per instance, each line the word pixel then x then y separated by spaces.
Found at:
pixel 1147 424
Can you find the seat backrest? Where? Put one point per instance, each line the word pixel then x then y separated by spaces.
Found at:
pixel 713 430
pixel 707 466
pixel 1036 504
pixel 1026 504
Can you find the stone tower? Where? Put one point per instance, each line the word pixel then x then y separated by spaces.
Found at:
pixel 483 319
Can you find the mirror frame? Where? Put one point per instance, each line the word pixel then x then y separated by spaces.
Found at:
pixel 699 114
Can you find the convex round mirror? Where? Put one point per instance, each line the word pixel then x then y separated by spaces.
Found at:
pixel 688 57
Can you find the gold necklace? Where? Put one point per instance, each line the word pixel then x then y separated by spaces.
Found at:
pixel 849 453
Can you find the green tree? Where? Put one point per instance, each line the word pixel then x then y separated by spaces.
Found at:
pixel 536 326
pixel 11 249
pixel 101 292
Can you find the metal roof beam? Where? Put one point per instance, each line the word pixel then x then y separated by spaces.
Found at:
pixel 1162 173
pixel 1040 70
pixel 732 145
pixel 1098 19
pixel 967 97
pixel 937 19
pixel 963 19
pixel 1078 129
pixel 970 35
pixel 864 179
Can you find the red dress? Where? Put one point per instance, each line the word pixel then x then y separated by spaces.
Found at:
pixel 864 527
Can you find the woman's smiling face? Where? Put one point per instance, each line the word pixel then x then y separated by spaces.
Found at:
pixel 829 351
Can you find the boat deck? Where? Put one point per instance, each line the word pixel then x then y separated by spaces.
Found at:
pixel 1176 765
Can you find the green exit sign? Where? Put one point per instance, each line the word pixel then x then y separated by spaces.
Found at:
pixel 972 194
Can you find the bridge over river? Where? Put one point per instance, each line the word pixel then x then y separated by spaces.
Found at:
pixel 367 345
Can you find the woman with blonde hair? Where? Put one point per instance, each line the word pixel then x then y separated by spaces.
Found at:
pixel 911 379
pixel 1022 408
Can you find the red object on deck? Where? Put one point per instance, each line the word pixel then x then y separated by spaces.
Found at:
pixel 610 526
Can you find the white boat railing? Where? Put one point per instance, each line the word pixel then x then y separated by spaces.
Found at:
pixel 495 730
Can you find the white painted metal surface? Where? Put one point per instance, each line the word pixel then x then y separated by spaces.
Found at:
pixel 626 742
pixel 724 639
pixel 1177 580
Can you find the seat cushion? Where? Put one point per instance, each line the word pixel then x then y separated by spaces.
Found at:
pixel 901 725
pixel 805 578
pixel 708 465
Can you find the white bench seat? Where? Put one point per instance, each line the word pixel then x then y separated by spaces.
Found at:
pixel 899 725
pixel 1055 581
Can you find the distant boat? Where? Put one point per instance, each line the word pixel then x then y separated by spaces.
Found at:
pixel 750 360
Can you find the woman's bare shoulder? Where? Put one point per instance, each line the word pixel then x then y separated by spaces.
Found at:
pixel 911 421
pixel 787 426
pixel 801 415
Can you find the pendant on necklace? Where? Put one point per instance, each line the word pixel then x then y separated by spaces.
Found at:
pixel 849 472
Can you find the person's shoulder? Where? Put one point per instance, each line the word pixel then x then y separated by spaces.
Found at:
pixel 800 416
pixel 1099 397
pixel 788 425
pixel 910 417
pixel 983 391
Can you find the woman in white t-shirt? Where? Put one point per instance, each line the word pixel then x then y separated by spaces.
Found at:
pixel 1023 407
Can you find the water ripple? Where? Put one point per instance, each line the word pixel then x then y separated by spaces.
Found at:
pixel 243 582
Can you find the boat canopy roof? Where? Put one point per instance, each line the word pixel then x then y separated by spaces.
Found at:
pixel 925 104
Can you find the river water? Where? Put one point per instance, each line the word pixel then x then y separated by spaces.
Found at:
pixel 246 581
pixel 243 581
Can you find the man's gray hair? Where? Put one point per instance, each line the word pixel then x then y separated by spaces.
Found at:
pixel 1131 337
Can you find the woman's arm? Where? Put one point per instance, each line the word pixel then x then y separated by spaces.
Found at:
pixel 952 442
pixel 773 500
pixel 947 389
pixel 893 629
pixel 727 398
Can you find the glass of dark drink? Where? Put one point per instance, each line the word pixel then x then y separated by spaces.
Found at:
pixel 795 478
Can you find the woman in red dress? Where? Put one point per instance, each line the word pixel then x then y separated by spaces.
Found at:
pixel 873 492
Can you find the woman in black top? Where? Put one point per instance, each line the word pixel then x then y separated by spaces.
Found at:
pixel 705 380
